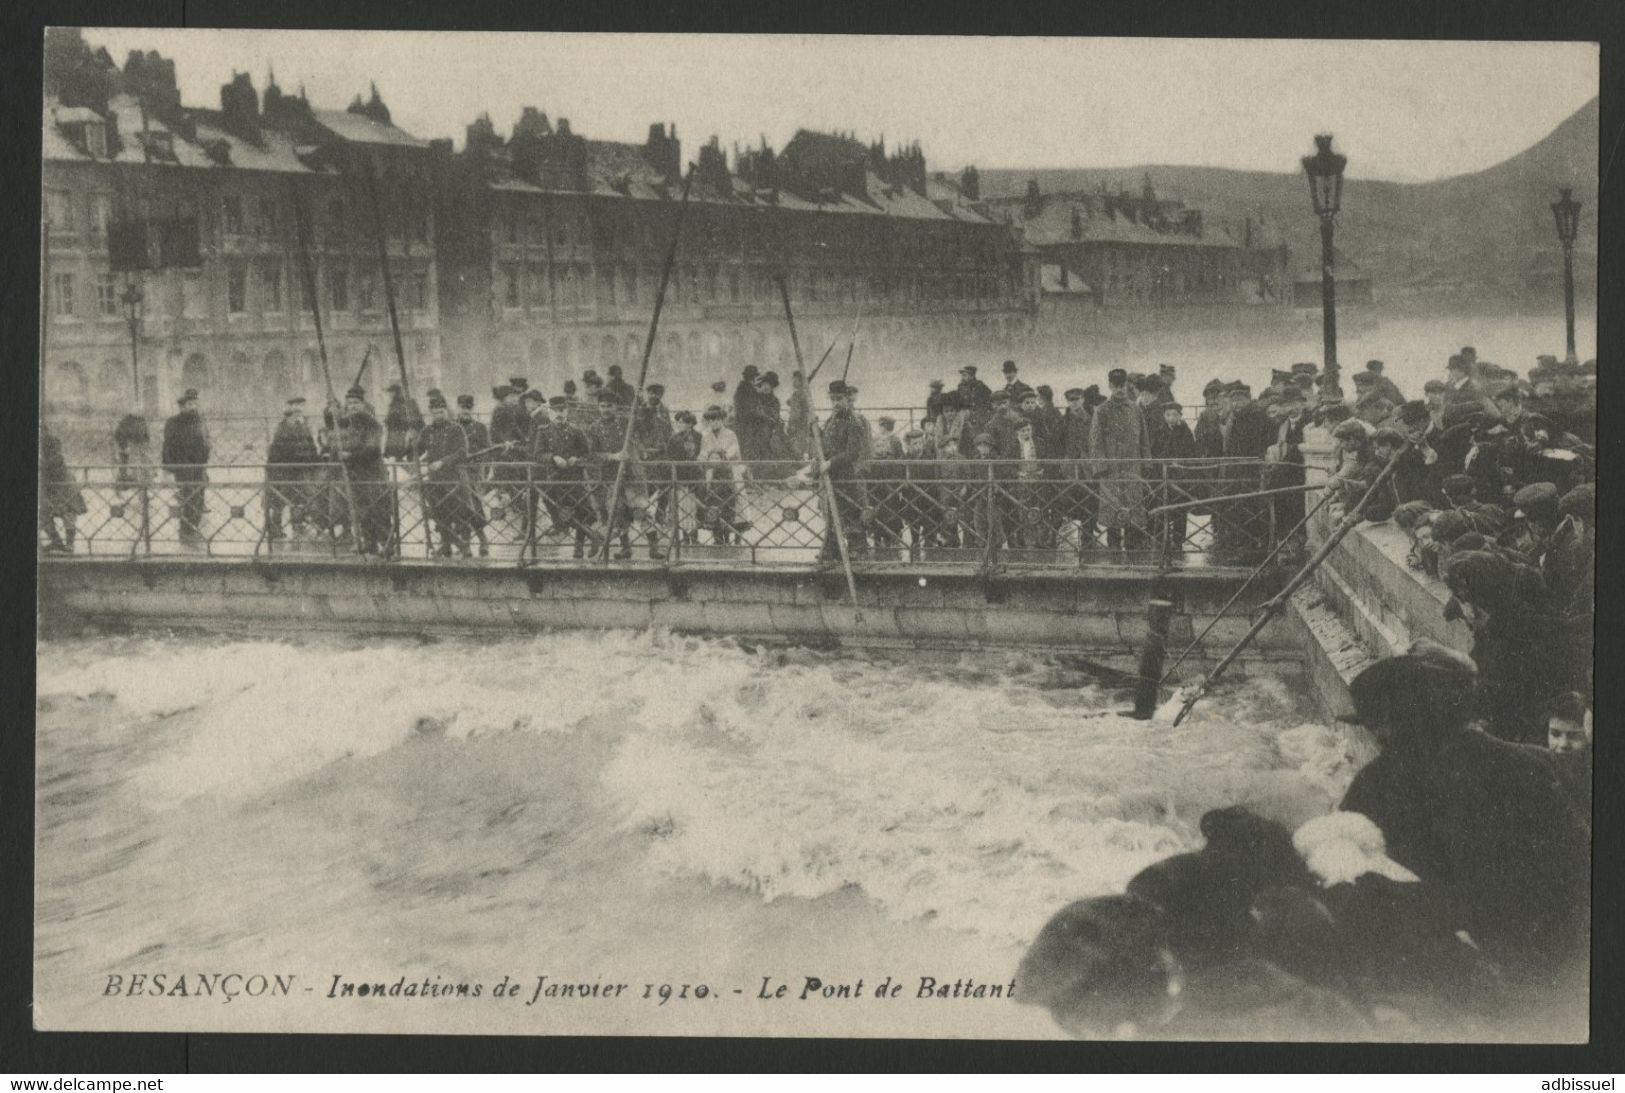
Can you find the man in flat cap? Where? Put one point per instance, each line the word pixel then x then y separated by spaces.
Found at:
pixel 1482 821
pixel 185 455
pixel 361 450
pixel 933 401
pixel 1120 445
pixel 442 448
pixel 402 423
pixel 476 469
pixel 1381 384
pixel 1241 527
pixel 560 452
pixel 653 429
pixel 289 463
pixel 619 391
pixel 844 443
pixel 974 395
pixel 1013 386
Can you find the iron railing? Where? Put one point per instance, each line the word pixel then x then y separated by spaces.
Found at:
pixel 981 514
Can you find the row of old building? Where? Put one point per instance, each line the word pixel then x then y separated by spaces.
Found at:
pixel 182 244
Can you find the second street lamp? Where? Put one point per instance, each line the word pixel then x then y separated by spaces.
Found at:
pixel 1566 212
pixel 1325 171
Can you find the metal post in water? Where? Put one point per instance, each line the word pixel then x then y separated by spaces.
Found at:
pixel 1158 614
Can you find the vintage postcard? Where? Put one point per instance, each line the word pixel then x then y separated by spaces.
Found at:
pixel 841 536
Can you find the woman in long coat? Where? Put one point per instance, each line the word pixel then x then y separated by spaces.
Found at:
pixel 59 496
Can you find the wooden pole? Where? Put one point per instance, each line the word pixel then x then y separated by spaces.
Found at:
pixel 834 526
pixel 1158 615
pixel 643 368
pixel 1273 607
pixel 389 282
pixel 307 275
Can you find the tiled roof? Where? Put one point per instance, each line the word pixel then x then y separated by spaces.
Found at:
pixel 1054 220
pixel 363 130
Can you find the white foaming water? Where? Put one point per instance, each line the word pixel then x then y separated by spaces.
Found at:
pixel 979 796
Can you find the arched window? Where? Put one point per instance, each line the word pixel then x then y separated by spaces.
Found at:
pixel 713 347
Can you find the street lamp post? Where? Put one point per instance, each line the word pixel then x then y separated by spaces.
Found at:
pixel 131 299
pixel 1325 171
pixel 1566 211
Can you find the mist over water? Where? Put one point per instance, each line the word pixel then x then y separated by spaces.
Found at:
pixel 659 805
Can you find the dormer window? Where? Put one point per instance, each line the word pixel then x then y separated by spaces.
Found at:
pixel 96 139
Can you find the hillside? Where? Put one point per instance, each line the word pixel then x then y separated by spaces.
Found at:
pixel 1473 234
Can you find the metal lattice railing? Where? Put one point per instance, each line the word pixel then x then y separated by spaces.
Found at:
pixel 976 513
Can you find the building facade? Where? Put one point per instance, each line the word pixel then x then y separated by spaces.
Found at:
pixel 553 248
pixel 173 241
pixel 1103 250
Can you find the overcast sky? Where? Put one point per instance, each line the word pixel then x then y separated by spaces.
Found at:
pixel 1400 110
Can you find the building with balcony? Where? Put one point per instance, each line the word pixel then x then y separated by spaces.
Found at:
pixel 172 235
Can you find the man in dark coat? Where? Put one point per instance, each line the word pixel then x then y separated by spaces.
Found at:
pixel 1241 527
pixel 1382 385
pixel 746 419
pixel 1079 501
pixel 402 423
pixel 974 395
pixel 361 441
pixel 1481 821
pixel 775 444
pixel 653 429
pixel 510 427
pixel 289 465
pixel 933 401
pixel 619 391
pixel 59 496
pixel 442 447
pixel 1119 445
pixel 479 455
pixel 130 442
pixel 844 444
pixel 1172 441
pixel 1013 385
pixel 561 452
pixel 682 450
pixel 185 456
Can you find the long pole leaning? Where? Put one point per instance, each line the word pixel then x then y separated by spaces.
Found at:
pixel 1278 601
pixel 834 527
pixel 307 275
pixel 643 368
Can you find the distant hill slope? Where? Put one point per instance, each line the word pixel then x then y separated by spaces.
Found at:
pixel 1473 233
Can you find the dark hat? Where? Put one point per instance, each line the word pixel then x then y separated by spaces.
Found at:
pixel 720 385
pixel 569 387
pixel 1212 387
pixel 518 383
pixel 1304 368
pixel 967 370
pixel 1239 388
pixel 1450 526
pixel 1537 496
pixel 1469 351
pixel 1457 363
pixel 558 402
pixel 714 411
pixel 189 395
pixel 615 370
pixel 1457 485
pixel 1009 366
pixel 1117 377
pixel 1092 395
pixel 1149 384
pixel 837 387
pixel 501 391
pixel 983 438
pixel 655 389
pixel 770 378
pixel 1045 391
pixel 356 392
pixel 1433 387
pixel 465 402
pixel 914 434
pixel 1427 686
pixel 393 389
pixel 1171 405
pixel 1072 393
pixel 1280 376
pixel 591 376
pixel 1581 501
pixel 532 395
pixel 685 417
pixel 296 401
pixel 1303 381
pixel 1166 370
pixel 1364 379
pixel 749 370
pixel 1029 393
pixel 1001 396
pixel 885 420
pixel 935 385
pixel 1350 430
pixel 1389 436
pixel 1373 366
pixel 437 402
pixel 1292 394
pixel 434 391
